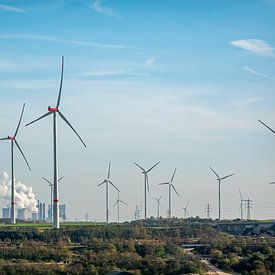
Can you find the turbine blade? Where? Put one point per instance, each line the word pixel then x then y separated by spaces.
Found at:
pixel 61 82
pixel 227 176
pixel 16 131
pixel 113 185
pixel 267 127
pixel 152 167
pixel 109 170
pixel 139 166
pixel 4 138
pixel 160 197
pixel 22 154
pixel 273 182
pixel 63 117
pixel 187 204
pixel 240 194
pixel 214 172
pixel 46 180
pixel 123 202
pixel 175 190
pixel 147 182
pixel 38 119
pixel 115 203
pixel 173 174
pixel 162 183
pixel 60 179
pixel 101 183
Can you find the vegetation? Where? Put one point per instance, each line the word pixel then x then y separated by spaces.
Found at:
pixel 94 249
pixel 99 249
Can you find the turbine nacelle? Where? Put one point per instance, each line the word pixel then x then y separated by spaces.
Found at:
pixel 11 138
pixel 52 109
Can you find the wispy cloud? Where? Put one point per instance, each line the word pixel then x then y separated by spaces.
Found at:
pixel 97 6
pixel 150 61
pixel 65 41
pixel 114 72
pixel 258 73
pixel 10 9
pixel 257 46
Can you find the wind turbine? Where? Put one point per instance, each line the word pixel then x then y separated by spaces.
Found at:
pixel 53 111
pixel 107 181
pixel 146 185
pixel 242 200
pixel 219 179
pixel 51 186
pixel 158 205
pixel 14 141
pixel 185 209
pixel 267 126
pixel 118 201
pixel 170 184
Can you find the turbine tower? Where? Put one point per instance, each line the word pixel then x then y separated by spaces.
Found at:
pixel 185 209
pixel 53 111
pixel 118 201
pixel 146 185
pixel 107 181
pixel 14 141
pixel 51 186
pixel 241 205
pixel 170 184
pixel 158 205
pixel 219 179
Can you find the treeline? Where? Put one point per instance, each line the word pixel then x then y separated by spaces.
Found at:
pixel 97 249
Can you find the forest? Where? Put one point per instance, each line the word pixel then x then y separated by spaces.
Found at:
pixel 132 248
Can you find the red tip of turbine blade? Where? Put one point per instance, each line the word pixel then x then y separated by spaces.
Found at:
pixel 52 109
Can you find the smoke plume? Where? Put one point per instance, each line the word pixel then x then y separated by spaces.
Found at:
pixel 24 196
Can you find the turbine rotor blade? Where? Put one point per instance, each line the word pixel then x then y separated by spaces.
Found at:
pixel 4 138
pixel 46 180
pixel 16 131
pixel 22 154
pixel 273 182
pixel 38 119
pixel 139 166
pixel 162 183
pixel 123 202
pixel 109 170
pixel 63 117
pixel 115 203
pixel 173 174
pixel 227 176
pixel 147 182
pixel 215 173
pixel 101 183
pixel 61 82
pixel 175 190
pixel 152 167
pixel 240 194
pixel 113 185
pixel 60 179
pixel 267 126
pixel 187 205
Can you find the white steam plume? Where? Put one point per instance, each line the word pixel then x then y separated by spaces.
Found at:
pixel 24 196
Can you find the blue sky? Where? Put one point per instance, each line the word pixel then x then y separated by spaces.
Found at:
pixel 181 82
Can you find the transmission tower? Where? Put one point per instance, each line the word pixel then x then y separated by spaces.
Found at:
pixel 208 210
pixel 248 207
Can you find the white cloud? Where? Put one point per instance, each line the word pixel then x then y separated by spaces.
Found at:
pixel 65 41
pixel 114 72
pixel 10 9
pixel 150 61
pixel 258 73
pixel 257 46
pixel 97 6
